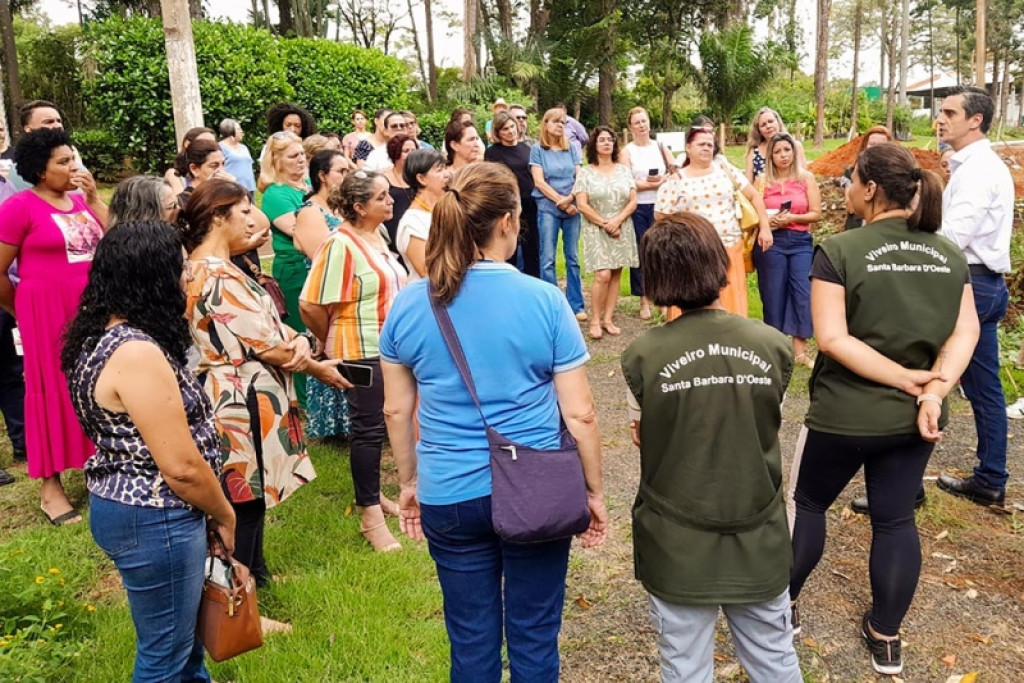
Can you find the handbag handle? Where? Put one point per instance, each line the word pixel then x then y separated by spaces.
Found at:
pixel 451 340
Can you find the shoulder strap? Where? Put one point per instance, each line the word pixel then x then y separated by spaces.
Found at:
pixel 735 184
pixel 451 340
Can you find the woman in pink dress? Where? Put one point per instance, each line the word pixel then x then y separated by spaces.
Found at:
pixel 52 230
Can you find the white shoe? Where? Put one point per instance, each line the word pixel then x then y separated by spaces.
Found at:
pixel 1015 411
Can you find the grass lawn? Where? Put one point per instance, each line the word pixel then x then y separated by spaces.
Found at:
pixel 357 615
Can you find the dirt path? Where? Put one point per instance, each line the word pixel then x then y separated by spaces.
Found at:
pixel 970 603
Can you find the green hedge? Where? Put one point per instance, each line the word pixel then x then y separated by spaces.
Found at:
pixel 102 153
pixel 334 79
pixel 242 72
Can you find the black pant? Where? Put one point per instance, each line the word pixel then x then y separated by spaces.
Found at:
pixel 12 384
pixel 529 240
pixel 250 519
pixel 893 467
pixel 366 411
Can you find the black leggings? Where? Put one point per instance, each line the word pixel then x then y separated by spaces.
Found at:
pixel 250 519
pixel 893 467
pixel 366 411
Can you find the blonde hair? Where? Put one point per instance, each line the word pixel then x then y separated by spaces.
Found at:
pixel 633 112
pixel 276 145
pixel 754 138
pixel 463 222
pixel 313 144
pixel 796 170
pixel 549 140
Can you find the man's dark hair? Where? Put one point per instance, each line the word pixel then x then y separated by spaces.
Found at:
pixel 25 113
pixel 976 101
pixel 683 261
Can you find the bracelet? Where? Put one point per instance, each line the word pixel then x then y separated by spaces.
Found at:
pixel 929 397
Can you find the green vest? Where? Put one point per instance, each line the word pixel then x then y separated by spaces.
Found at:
pixel 709 523
pixel 903 292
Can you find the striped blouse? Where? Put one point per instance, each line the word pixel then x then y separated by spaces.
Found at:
pixel 357 282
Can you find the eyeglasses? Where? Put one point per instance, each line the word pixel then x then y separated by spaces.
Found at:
pixel 706 128
pixel 521 118
pixel 606 139
pixel 398 126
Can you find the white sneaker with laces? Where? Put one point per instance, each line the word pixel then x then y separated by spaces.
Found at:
pixel 1015 411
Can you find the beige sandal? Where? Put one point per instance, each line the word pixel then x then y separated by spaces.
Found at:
pixel 804 360
pixel 382 542
pixel 388 506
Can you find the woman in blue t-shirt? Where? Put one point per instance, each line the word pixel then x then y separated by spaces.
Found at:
pixel 527 358
pixel 554 163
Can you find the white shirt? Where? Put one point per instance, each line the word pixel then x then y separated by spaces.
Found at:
pixel 378 160
pixel 415 223
pixel 977 206
pixel 641 160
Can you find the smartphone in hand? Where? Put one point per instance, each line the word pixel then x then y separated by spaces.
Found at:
pixel 357 375
pixel 786 206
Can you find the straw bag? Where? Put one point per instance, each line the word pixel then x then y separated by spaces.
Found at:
pixel 229 616
pixel 749 222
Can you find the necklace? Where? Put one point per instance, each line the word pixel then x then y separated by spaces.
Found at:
pixel 419 203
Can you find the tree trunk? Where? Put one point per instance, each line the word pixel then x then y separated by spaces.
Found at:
pixel 883 43
pixel 981 17
pixel 11 71
pixel 286 21
pixel 890 98
pixel 904 49
pixel 266 15
pixel 821 72
pixel 181 61
pixel 195 9
pixel 606 69
pixel 469 14
pixel 993 90
pixel 666 106
pixel 539 16
pixel 505 13
pixel 1004 93
pixel 857 20
pixel 153 9
pixel 419 52
pixel 432 95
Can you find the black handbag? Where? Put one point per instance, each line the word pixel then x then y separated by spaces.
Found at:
pixel 536 495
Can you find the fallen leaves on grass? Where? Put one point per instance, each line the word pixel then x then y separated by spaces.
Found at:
pixel 811 643
pixel 972 594
pixel 941 535
pixel 719 657
pixel 971 677
pixel 949 660
pixel 582 602
pixel 984 640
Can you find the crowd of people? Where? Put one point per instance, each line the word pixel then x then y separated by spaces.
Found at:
pixel 157 355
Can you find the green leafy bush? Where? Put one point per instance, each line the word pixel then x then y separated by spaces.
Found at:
pixel 240 75
pixel 432 126
pixel 333 79
pixel 102 152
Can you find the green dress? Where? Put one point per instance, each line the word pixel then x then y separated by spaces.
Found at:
pixel 607 196
pixel 289 263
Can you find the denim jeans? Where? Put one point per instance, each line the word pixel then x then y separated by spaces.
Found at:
pixel 981 382
pixel 783 279
pixel 548 226
pixel 471 562
pixel 643 217
pixel 160 554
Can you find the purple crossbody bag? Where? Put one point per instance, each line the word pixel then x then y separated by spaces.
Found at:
pixel 536 496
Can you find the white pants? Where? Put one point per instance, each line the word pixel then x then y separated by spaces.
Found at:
pixel 762 633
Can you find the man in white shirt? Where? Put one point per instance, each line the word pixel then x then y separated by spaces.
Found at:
pixel 977 214
pixel 394 124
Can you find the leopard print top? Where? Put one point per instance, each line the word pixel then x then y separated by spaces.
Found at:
pixel 123 470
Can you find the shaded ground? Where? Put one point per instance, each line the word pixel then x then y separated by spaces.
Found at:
pixel 970 602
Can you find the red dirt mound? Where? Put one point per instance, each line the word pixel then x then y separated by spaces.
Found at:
pixel 834 163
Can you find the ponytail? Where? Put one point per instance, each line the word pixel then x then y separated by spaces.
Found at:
pixel 928 215
pixel 463 222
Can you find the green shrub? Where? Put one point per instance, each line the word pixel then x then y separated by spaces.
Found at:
pixel 240 75
pixel 102 152
pixel 333 79
pixel 432 126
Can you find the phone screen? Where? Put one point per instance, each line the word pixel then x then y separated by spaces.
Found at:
pixel 652 172
pixel 786 205
pixel 358 375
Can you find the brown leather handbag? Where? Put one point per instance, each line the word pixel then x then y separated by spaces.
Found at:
pixel 229 615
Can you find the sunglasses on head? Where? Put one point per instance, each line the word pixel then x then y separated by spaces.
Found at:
pixel 281 134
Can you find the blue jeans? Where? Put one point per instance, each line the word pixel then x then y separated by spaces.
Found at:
pixel 471 562
pixel 784 283
pixel 643 217
pixel 981 382
pixel 160 554
pixel 548 226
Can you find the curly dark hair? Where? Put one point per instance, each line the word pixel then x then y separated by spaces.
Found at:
pixel 280 111
pixel 136 276
pixel 214 198
pixel 34 151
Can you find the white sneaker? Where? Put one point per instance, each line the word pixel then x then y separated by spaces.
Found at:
pixel 1015 411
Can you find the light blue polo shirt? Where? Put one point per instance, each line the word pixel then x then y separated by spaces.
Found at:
pixel 517 332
